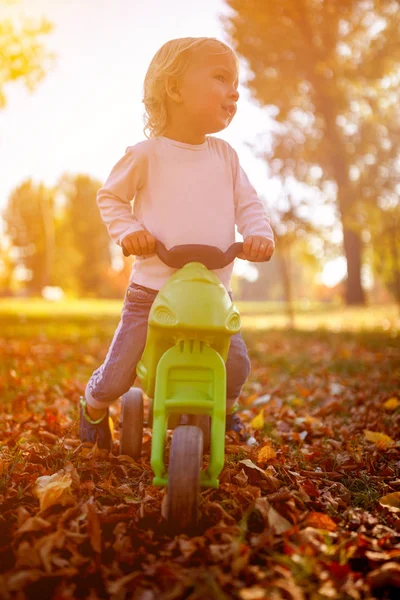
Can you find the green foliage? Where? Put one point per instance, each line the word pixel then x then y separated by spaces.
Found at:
pixel 385 245
pixel 57 235
pixel 22 54
pixel 29 224
pixel 329 73
pixel 84 233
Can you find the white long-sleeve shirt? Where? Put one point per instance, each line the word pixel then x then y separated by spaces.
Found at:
pixel 182 194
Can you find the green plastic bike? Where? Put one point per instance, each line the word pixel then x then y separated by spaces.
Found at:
pixel 182 371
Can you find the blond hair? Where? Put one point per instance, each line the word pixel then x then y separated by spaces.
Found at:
pixel 172 59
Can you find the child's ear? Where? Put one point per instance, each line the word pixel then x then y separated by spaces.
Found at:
pixel 172 89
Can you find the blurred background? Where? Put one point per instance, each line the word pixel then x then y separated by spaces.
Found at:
pixel 317 132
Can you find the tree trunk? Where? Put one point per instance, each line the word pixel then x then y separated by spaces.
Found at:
pixel 49 241
pixel 352 247
pixel 287 286
pixel 396 264
pixel 352 243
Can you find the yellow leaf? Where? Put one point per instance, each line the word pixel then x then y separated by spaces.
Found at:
pixel 312 420
pixel 53 489
pixel 266 453
pixel 297 402
pixel 380 439
pixel 391 500
pixel 111 424
pixel 391 404
pixel 258 421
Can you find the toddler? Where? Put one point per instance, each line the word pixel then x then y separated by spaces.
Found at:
pixel 187 187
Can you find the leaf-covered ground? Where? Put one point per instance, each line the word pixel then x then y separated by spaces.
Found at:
pixel 311 512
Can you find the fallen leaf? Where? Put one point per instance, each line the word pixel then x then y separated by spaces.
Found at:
pixel 279 523
pixel 241 478
pixel 320 521
pixel 297 402
pixel 392 501
pixel 391 404
pixel 387 575
pixel 111 425
pixel 93 527
pixel 248 463
pixel 258 421
pixel 265 454
pixel 380 439
pixel 54 489
pixel 253 593
pixel 33 524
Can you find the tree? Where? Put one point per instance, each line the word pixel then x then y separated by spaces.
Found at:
pixel 379 188
pixel 29 224
pixel 386 247
pixel 22 55
pixel 87 234
pixel 323 64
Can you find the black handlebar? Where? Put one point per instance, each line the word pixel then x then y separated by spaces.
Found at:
pixel 210 256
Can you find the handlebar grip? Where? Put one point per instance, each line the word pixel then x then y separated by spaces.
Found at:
pixel 211 256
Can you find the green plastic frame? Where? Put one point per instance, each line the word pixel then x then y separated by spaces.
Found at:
pixel 183 365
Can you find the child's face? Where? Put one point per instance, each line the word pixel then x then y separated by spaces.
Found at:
pixel 208 90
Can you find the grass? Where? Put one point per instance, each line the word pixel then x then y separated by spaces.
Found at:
pixel 364 493
pixel 84 315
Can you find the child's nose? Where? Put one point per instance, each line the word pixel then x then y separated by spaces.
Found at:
pixel 235 95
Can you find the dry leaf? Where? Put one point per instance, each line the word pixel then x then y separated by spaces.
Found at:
pixel 93 527
pixel 249 463
pixel 258 421
pixel 385 576
pixel 266 453
pixel 320 521
pixel 111 425
pixel 380 439
pixel 253 593
pixel 279 523
pixel 54 489
pixel 391 404
pixel 392 501
pixel 33 524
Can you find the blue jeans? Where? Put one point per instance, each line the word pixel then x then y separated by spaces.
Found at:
pixel 118 372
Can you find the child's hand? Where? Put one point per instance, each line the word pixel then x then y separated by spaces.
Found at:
pixel 257 249
pixel 140 243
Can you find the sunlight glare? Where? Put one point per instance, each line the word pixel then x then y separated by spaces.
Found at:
pixel 334 272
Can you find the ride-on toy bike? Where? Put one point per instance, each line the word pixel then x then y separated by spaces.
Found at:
pixel 182 371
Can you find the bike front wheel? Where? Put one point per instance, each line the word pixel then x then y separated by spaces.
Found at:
pixel 185 463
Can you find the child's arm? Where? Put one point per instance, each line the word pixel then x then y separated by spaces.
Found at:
pixel 114 198
pixel 251 218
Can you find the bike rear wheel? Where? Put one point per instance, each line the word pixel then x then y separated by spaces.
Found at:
pixel 132 414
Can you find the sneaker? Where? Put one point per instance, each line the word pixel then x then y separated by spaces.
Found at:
pixel 235 423
pixel 90 430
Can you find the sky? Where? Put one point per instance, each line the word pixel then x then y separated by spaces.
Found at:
pixel 89 107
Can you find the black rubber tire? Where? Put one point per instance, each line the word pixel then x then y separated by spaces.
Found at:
pixel 204 422
pixel 132 414
pixel 185 461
